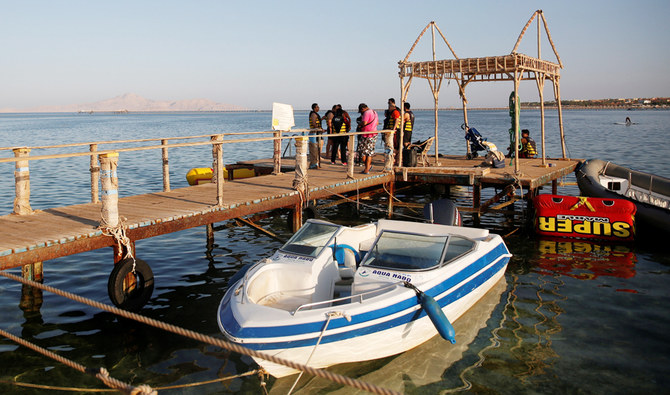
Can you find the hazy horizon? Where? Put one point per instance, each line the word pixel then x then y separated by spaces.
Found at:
pixel 252 54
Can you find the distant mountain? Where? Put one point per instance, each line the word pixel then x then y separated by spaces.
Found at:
pixel 131 102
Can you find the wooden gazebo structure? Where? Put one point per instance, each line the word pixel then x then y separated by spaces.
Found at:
pixel 513 67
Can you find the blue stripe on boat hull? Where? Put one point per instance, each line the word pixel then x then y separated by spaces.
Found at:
pixel 231 325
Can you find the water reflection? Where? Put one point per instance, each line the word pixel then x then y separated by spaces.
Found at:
pixel 585 260
pixel 418 368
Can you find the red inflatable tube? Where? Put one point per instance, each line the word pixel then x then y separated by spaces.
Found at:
pixel 582 217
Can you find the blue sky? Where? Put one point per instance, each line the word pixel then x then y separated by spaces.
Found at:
pixel 252 53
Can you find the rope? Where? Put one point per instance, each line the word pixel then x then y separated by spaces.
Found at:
pixel 102 374
pixel 329 315
pixel 206 339
pixel 119 234
pixel 358 203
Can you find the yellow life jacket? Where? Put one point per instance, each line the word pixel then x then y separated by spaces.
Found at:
pixel 409 124
pixel 314 123
pixel 529 148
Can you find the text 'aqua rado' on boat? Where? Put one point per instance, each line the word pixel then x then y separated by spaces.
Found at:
pixel 334 294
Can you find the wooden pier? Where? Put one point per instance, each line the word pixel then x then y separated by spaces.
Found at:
pixel 56 232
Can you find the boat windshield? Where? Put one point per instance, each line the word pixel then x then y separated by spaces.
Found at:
pixel 403 251
pixel 310 239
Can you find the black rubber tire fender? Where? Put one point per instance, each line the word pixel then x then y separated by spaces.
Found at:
pixel 136 298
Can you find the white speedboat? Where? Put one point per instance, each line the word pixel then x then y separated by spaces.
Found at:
pixel 335 294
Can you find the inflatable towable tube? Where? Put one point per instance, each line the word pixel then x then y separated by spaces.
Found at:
pixel 203 175
pixel 582 217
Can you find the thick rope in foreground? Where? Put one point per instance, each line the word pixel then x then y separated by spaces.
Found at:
pixel 169 387
pixel 102 374
pixel 206 339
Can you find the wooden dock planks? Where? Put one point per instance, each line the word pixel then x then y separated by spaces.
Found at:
pixel 51 233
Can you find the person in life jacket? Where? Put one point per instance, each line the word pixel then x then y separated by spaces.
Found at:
pixel 392 122
pixel 315 139
pixel 339 125
pixel 328 117
pixel 528 146
pixel 407 126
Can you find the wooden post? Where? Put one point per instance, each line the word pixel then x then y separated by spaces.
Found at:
pixel 297 217
pixel 33 271
pixel 31 297
pixel 22 182
pixel 350 157
pixel 476 201
pixel 95 175
pixel 554 187
pixel 277 152
pixel 120 253
pixel 391 191
pixel 401 131
pixel 465 115
pixel 517 76
pixel 300 180
pixel 540 86
pixel 166 167
pixel 210 236
pixel 557 95
pixel 217 165
pixel 110 192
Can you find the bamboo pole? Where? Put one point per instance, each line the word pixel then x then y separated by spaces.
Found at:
pixel 551 42
pixel 300 180
pixel 166 166
pixel 217 165
pixel 523 31
pixel 557 96
pixel 95 175
pixel 401 136
pixel 22 182
pixel 110 190
pixel 516 121
pixel 276 156
pixel 539 52
pixel 540 78
pixel 465 114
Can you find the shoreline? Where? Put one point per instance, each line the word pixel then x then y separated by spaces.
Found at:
pixel 125 112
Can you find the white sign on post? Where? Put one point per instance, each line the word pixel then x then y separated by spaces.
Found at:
pixel 282 116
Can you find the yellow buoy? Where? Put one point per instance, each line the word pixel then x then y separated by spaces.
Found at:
pixel 199 176
pixel 203 175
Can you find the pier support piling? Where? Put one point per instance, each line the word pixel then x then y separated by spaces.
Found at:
pixel 95 175
pixel 391 192
pixel 110 190
pixel 33 271
pixel 476 201
pixel 22 182
pixel 210 236
pixel 166 166
pixel 217 165
pixel 276 157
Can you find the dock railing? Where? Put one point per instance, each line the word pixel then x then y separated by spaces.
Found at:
pixel 103 163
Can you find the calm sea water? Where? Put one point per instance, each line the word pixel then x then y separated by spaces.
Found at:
pixel 571 317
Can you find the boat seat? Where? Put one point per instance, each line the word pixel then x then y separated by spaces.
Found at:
pixel 347 259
